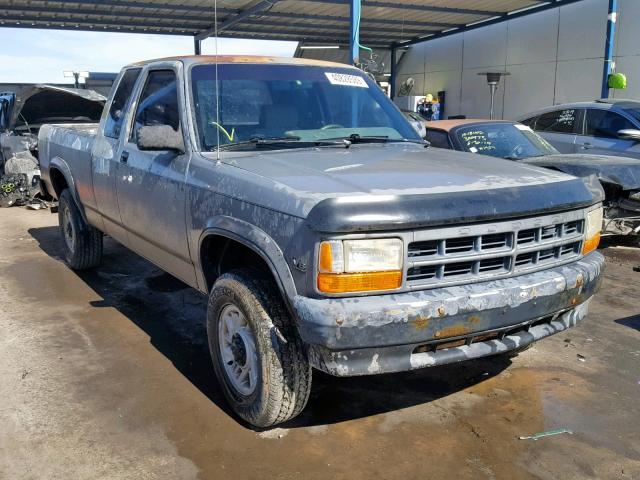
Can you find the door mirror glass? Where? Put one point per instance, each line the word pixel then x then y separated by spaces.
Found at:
pixel 629 134
pixel 160 137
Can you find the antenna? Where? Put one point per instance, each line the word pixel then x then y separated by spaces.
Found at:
pixel 215 31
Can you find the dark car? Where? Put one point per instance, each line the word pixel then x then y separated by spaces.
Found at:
pixel 620 177
pixel 607 127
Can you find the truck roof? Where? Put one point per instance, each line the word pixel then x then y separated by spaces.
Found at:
pixel 197 59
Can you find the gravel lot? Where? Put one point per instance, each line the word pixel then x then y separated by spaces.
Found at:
pixel 106 374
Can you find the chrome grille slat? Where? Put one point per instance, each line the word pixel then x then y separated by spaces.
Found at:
pixel 449 255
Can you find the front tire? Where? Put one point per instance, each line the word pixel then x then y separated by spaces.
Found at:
pixel 258 356
pixel 81 242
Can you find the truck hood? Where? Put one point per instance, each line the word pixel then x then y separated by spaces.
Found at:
pixel 621 171
pixel 389 169
pixel 391 186
pixel 39 104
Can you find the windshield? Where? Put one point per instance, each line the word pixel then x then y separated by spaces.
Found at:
pixel 296 103
pixel 504 140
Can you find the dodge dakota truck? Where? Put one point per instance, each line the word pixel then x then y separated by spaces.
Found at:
pixel 325 232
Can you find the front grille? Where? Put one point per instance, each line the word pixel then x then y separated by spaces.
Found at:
pixel 456 255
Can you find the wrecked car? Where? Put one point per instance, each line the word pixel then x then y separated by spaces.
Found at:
pixel 619 176
pixel 21 115
pixel 324 231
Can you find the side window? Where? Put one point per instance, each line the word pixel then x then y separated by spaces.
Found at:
pixel 158 103
pixel 559 121
pixel 604 123
pixel 113 125
pixel 437 138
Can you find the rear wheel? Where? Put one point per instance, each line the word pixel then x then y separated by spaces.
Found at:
pixel 258 357
pixel 82 243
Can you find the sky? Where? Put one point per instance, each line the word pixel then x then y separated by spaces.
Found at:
pixel 40 56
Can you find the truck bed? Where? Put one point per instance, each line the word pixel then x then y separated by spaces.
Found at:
pixel 71 142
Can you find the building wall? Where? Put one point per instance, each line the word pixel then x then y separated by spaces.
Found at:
pixel 554 56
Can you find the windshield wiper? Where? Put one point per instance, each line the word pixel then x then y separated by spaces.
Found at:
pixel 357 138
pixel 271 141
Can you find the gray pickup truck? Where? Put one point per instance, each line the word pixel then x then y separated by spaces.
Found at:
pixel 323 229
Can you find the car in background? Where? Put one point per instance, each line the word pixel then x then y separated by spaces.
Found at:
pixel 416 121
pixel 607 127
pixel 620 177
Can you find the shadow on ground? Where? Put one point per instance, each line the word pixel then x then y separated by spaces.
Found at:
pixel 631 322
pixel 173 315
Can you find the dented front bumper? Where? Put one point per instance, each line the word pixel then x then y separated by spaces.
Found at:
pixel 391 333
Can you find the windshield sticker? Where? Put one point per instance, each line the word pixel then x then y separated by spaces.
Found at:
pixel 477 140
pixel 524 128
pixel 346 80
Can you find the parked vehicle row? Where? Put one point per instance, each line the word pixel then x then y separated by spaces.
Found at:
pixel 619 176
pixel 326 233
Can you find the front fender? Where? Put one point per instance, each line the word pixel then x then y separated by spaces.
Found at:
pixel 257 240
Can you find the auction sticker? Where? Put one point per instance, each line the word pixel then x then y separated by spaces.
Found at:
pixel 346 80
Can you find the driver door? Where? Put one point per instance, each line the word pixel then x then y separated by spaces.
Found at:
pixel 150 188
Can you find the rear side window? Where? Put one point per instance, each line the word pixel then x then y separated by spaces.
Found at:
pixel 607 124
pixel 437 138
pixel 559 121
pixel 117 111
pixel 158 104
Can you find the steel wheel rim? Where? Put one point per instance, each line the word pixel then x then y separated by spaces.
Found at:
pixel 238 350
pixel 68 229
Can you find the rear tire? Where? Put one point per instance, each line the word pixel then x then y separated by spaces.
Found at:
pixel 258 356
pixel 81 242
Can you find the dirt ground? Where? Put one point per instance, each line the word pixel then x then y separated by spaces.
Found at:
pixel 106 375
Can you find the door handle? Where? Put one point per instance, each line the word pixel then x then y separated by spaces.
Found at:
pixel 586 146
pixel 124 157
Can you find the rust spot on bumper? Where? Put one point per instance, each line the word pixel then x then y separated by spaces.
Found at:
pixel 452 331
pixel 420 323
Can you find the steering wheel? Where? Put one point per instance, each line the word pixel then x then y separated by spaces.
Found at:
pixel 332 125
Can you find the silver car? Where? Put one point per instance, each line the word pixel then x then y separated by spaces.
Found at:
pixel 604 127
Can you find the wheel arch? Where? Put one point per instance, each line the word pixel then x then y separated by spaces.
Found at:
pixel 232 231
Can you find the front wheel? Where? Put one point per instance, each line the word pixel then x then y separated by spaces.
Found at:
pixel 258 356
pixel 82 243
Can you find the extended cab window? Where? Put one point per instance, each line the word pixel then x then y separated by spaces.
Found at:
pixel 559 121
pixel 158 104
pixel 607 124
pixel 113 125
pixel 437 138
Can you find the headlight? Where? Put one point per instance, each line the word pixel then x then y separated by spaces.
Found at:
pixel 593 227
pixel 635 196
pixel 360 265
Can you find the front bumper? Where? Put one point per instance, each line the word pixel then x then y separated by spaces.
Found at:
pixel 390 333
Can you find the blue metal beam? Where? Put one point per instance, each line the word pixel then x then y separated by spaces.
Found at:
pixel 609 47
pixel 491 21
pixel 234 20
pixel 354 38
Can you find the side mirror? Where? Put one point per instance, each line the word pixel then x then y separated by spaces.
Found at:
pixel 629 134
pixel 160 137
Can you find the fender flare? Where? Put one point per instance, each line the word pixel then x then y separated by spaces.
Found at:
pixel 257 240
pixel 58 163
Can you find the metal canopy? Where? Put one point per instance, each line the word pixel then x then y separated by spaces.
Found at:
pixel 384 24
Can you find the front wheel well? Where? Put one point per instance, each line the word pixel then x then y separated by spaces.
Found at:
pixel 220 254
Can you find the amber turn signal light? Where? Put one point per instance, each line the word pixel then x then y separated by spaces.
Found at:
pixel 590 244
pixel 359 282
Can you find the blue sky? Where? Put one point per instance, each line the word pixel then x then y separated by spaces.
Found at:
pixel 30 55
